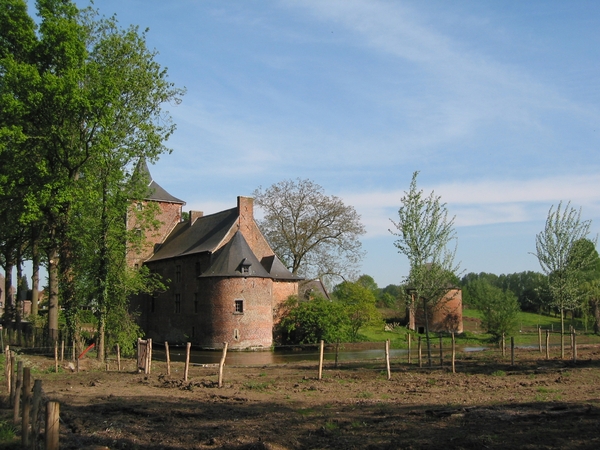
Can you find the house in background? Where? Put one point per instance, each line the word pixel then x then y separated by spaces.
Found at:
pixel 224 282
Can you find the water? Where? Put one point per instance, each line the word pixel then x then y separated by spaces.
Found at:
pixel 347 352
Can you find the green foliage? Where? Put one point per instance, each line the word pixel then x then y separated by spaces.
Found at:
pixel 8 432
pixel 425 235
pixel 499 309
pixel 359 304
pixel 315 320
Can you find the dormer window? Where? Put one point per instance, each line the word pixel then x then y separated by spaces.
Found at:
pixel 245 267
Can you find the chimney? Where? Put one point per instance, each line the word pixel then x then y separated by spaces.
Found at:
pixel 245 210
pixel 195 215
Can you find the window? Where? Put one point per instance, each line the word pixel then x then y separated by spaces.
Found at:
pixel 177 303
pixel 236 334
pixel 239 306
pixel 178 273
pixel 245 267
pixel 139 206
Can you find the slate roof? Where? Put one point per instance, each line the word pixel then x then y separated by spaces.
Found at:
pixel 155 191
pixel 204 235
pixel 232 257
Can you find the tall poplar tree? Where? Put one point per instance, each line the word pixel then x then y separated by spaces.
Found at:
pixel 425 235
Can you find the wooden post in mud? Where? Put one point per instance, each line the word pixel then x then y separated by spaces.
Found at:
pixel 321 359
pixel 574 345
pixel 408 339
pixel 62 350
pixel 188 346
pixel 503 345
pixel 18 386
pixel 453 353
pixel 387 359
pixel 168 355
pixel 37 402
pixel 118 358
pixel 13 377
pixel 56 357
pixel 547 344
pixel 52 424
pixel 148 356
pixel 222 363
pixel 26 407
pixel 540 338
pixel 420 352
pixel 441 351
pixel 512 351
pixel 73 351
pixel 7 369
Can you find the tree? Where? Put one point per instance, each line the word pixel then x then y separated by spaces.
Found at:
pixel 561 260
pixel 358 302
pixel 315 235
pixel 499 308
pixel 79 95
pixel 309 322
pixel 424 234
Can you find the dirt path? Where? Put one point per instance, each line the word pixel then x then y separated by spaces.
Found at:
pixel 537 404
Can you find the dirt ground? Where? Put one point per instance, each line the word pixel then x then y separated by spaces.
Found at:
pixel 487 404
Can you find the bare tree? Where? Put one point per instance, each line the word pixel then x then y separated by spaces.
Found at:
pixel 561 260
pixel 314 234
pixel 424 234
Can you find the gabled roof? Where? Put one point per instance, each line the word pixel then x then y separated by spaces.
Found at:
pixel 155 191
pixel 275 267
pixel 205 235
pixel 231 259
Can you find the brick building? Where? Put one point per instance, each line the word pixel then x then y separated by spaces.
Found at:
pixel 445 316
pixel 224 282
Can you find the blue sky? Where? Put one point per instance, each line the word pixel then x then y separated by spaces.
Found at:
pixel 496 103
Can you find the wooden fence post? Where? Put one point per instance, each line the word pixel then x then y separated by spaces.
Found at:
pixel 453 353
pixel 540 338
pixel 118 358
pixel 26 407
pixel 574 344
pixel 18 386
pixel 56 357
pixel 547 344
pixel 168 356
pixel 408 338
pixel 13 377
pixel 62 350
pixel 187 360
pixel 35 411
pixel 321 359
pixel 148 356
pixel 387 359
pixel 441 351
pixel 420 352
pixel 8 370
pixel 52 424
pixel 222 363
pixel 503 344
pixel 512 351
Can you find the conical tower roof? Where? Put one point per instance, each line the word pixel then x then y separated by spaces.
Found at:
pixel 155 191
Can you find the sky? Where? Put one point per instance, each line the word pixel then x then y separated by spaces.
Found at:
pixel 496 104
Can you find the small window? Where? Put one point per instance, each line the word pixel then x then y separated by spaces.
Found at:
pixel 139 206
pixel 177 303
pixel 178 273
pixel 136 266
pixel 236 334
pixel 239 306
pixel 245 267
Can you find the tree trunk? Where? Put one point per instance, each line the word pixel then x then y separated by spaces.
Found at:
pixel 595 304
pixel 53 295
pixel 562 333
pixel 35 277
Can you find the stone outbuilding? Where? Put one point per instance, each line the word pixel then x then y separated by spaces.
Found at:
pixel 224 282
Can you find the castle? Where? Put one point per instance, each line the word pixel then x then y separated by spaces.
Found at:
pixel 224 282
